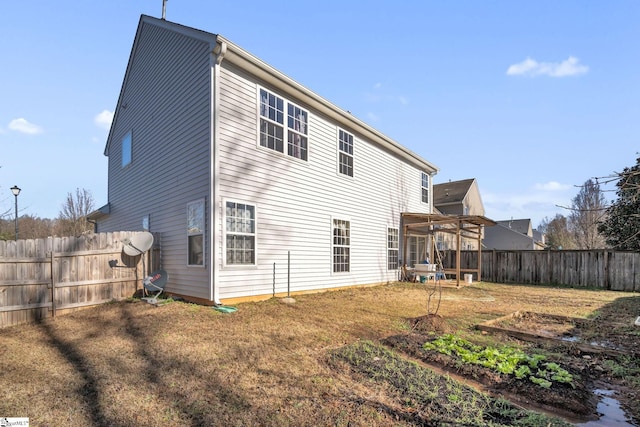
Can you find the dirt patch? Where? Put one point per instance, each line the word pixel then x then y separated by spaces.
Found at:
pixel 430 323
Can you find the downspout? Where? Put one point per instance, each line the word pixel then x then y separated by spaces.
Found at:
pixel 217 55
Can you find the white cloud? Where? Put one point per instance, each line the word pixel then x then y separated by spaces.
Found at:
pixel 531 67
pixel 539 201
pixel 551 186
pixel 104 119
pixel 24 126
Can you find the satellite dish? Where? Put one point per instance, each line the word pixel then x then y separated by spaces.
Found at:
pixel 138 243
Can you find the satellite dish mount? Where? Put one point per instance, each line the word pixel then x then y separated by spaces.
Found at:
pixel 139 244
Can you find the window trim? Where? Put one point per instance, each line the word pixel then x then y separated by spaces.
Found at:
pixel 225 232
pixel 200 205
pixel 286 129
pixel 334 245
pixel 341 152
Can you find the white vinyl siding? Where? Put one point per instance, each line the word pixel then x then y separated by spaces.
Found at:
pixel 299 200
pixel 165 104
pixel 168 102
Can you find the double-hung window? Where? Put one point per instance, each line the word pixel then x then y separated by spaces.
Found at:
pixel 341 245
pixel 283 123
pixel 345 152
pixel 392 248
pixel 240 230
pixel 425 188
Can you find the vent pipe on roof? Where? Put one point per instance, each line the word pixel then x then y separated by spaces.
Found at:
pixel 164 9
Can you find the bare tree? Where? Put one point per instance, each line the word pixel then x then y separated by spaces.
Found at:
pixel 557 234
pixel 588 209
pixel 72 219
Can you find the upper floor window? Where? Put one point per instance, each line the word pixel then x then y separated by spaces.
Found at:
pixel 425 188
pixel 126 149
pixel 240 230
pixel 345 152
pixel 272 126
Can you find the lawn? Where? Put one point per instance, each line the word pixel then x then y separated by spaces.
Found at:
pixel 335 358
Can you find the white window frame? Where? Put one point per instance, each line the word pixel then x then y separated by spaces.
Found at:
pixel 196 226
pixel 226 232
pixel 292 121
pixel 346 150
pixel 340 243
pixel 393 248
pixel 126 144
pixel 424 188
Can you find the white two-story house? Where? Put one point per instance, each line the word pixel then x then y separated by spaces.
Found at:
pixel 253 184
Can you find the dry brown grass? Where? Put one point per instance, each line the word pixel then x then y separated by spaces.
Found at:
pixel 130 363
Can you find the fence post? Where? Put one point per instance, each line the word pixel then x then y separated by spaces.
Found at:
pixel 605 268
pixel 53 286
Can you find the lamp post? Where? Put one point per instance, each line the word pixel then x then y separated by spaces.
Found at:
pixel 16 190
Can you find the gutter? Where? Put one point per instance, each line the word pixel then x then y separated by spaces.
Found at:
pixel 217 55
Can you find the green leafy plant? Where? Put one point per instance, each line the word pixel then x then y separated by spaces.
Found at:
pixel 505 360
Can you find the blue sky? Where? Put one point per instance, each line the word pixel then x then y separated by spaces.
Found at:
pixel 531 98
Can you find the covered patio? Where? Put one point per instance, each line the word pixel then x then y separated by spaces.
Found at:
pixel 462 226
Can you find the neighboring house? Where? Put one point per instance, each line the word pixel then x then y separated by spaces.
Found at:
pixel 515 234
pixel 236 167
pixel 457 198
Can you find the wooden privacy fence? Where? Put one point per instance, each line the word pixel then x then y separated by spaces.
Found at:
pixel 603 269
pixel 41 278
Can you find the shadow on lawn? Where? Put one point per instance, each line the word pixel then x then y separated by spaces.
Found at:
pixel 155 377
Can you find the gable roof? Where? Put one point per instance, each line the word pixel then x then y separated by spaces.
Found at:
pixel 520 225
pixel 452 191
pixel 224 49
